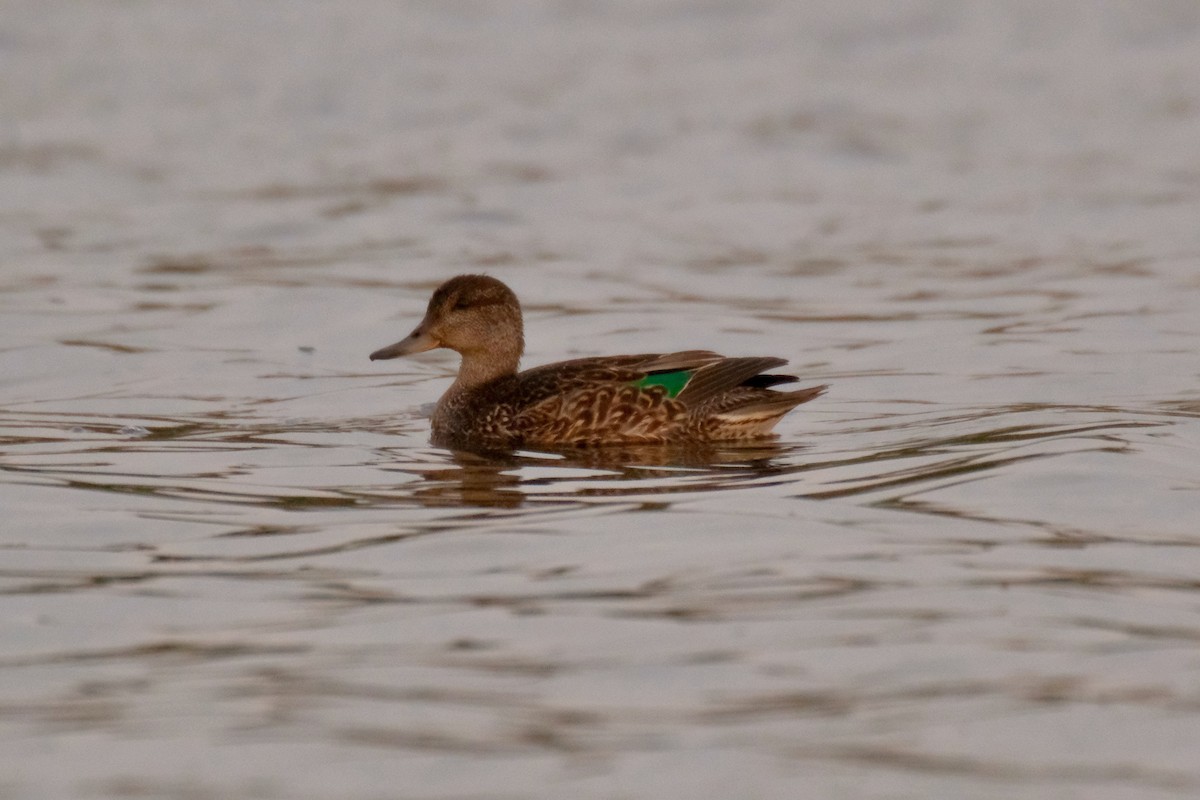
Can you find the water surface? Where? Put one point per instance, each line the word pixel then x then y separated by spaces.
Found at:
pixel 233 565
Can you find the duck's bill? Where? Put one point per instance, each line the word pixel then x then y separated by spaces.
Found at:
pixel 416 342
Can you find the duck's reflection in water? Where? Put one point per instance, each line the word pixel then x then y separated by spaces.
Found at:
pixel 511 478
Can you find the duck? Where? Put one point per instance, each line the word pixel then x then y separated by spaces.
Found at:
pixel 693 396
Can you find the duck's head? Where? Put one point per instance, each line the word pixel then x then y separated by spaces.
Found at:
pixel 476 315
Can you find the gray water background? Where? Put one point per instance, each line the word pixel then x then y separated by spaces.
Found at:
pixel 233 566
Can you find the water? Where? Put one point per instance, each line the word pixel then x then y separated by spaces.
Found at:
pixel 233 566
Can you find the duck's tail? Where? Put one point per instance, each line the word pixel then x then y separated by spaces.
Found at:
pixel 759 414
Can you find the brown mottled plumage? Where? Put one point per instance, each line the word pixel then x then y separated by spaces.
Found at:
pixel 691 396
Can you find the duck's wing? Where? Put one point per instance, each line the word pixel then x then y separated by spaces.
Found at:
pixel 686 360
pixel 713 380
pixel 693 377
pixel 630 366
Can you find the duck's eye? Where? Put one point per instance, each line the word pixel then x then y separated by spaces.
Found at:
pixel 461 303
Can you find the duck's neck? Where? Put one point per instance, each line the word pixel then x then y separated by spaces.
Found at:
pixel 480 367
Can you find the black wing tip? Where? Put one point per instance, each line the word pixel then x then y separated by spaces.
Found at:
pixel 765 381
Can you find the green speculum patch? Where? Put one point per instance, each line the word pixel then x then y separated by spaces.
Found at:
pixel 673 382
